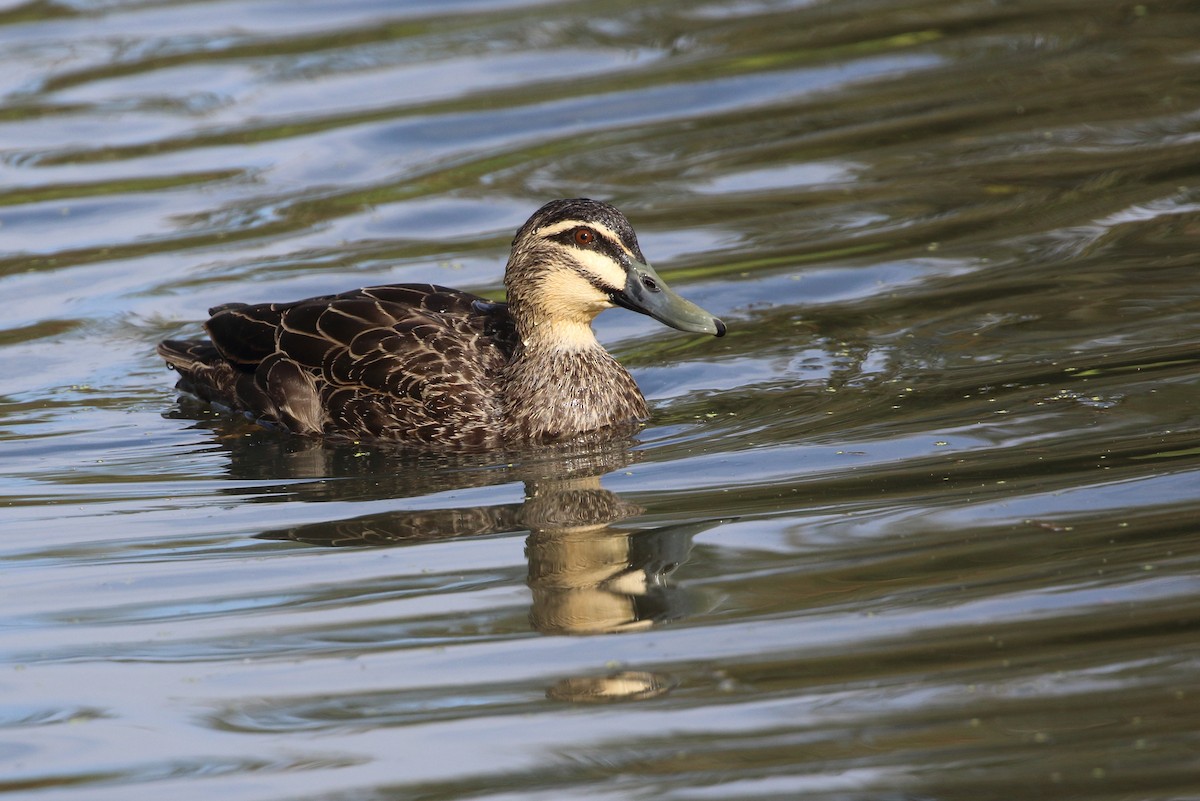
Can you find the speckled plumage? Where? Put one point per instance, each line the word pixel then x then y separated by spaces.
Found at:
pixel 435 367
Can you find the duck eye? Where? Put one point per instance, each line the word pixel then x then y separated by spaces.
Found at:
pixel 584 236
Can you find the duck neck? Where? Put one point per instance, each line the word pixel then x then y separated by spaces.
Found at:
pixel 562 383
pixel 539 338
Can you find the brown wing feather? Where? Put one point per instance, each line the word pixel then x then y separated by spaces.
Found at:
pixel 413 362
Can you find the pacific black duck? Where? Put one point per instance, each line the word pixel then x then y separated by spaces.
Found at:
pixel 436 367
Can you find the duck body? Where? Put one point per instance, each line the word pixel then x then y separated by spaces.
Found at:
pixel 440 368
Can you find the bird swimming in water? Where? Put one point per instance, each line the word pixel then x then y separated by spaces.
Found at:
pixel 439 368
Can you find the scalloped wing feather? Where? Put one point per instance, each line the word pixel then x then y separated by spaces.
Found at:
pixel 416 362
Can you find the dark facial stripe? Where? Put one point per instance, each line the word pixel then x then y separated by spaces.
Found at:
pixel 601 244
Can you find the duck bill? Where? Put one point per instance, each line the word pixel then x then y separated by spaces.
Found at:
pixel 647 293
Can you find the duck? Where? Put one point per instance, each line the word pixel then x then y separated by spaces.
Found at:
pixel 436 368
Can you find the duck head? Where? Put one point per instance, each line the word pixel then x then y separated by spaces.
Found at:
pixel 575 258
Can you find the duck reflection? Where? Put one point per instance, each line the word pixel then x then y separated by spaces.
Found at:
pixel 590 577
pixel 588 574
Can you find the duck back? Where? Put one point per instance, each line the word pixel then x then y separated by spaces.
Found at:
pixel 413 362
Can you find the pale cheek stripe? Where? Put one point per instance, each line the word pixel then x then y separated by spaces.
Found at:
pixel 602 268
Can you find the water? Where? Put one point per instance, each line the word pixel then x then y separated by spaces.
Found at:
pixel 922 526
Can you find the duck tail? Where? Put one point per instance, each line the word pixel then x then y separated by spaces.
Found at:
pixel 185 354
pixel 202 371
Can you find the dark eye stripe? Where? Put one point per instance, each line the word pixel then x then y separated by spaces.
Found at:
pixel 601 243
